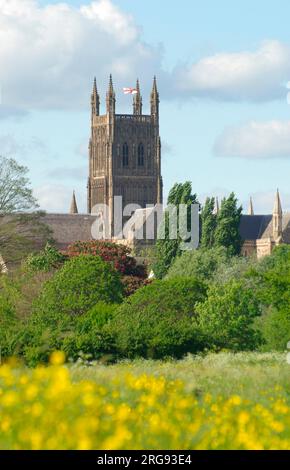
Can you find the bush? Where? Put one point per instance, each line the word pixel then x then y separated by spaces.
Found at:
pixel 133 283
pixel 8 328
pixel 76 336
pixel 118 255
pixel 273 281
pixel 80 284
pixel 227 317
pixel 159 320
pixel 47 260
pixel 201 263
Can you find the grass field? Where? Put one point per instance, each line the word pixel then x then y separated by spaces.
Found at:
pixel 220 401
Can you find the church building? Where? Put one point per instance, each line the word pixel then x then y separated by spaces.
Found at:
pixel 125 160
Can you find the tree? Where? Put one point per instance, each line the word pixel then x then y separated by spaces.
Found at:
pixel 21 227
pixel 227 232
pixel 159 320
pixel 15 193
pixel 168 249
pixel 208 223
pixel 226 318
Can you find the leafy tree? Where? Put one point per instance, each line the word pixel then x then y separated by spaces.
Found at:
pixel 226 318
pixel 208 223
pixel 21 229
pixel 227 232
pixel 159 320
pixel 80 284
pixel 168 249
pixel 15 193
pixel 46 260
pixel 202 263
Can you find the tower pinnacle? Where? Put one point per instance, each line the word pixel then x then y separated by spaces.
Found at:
pixel 95 100
pixel 137 101
pixel 251 208
pixel 154 101
pixel 277 217
pixel 111 98
pixel 73 206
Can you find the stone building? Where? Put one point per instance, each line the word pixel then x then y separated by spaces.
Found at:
pixel 125 160
pixel 261 233
pixel 124 154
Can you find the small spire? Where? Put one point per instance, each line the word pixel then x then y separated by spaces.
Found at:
pixel 73 206
pixel 277 205
pixel 216 206
pixel 137 100
pixel 155 100
pixel 95 99
pixel 111 97
pixel 251 208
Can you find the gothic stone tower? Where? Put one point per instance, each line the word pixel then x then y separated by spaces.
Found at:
pixel 124 153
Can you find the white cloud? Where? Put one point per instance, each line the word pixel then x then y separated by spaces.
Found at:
pixel 49 55
pixel 238 76
pixel 255 140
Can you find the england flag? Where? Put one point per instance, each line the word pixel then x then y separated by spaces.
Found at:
pixel 130 91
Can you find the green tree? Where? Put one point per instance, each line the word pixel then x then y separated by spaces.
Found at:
pixel 168 248
pixel 15 192
pixel 80 284
pixel 226 318
pixel 202 263
pixel 159 320
pixel 208 223
pixel 21 226
pixel 227 232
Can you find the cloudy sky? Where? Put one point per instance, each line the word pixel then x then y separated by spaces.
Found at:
pixel 222 67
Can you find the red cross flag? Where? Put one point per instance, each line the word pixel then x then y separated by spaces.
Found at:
pixel 130 91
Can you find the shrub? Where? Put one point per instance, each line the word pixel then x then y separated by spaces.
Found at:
pixel 133 283
pixel 159 320
pixel 8 328
pixel 78 286
pixel 227 317
pixel 118 255
pixel 48 259
pixel 275 328
pixel 76 336
pixel 201 263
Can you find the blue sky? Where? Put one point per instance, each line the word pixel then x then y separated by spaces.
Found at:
pixel 222 69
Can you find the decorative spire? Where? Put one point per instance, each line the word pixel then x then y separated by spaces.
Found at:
pixel 111 99
pixel 216 206
pixel 95 99
pixel 73 206
pixel 154 100
pixel 251 208
pixel 277 205
pixel 277 217
pixel 137 100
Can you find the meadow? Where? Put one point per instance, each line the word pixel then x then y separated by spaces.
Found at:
pixel 214 401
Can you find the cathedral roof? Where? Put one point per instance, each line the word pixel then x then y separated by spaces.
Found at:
pixel 69 228
pixel 254 227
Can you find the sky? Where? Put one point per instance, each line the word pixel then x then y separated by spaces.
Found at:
pixel 223 72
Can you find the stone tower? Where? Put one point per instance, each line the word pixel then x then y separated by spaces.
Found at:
pixel 124 153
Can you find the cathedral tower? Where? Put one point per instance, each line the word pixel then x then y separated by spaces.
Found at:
pixel 124 153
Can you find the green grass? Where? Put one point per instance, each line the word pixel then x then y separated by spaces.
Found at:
pixel 246 374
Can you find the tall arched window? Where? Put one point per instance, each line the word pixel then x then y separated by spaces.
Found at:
pixel 140 155
pixel 125 154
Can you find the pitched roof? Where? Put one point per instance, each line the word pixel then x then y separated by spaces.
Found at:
pixel 252 227
pixel 69 228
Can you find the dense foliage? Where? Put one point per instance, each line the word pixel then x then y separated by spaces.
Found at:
pixel 169 247
pixel 118 255
pixel 158 320
pixel 80 284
